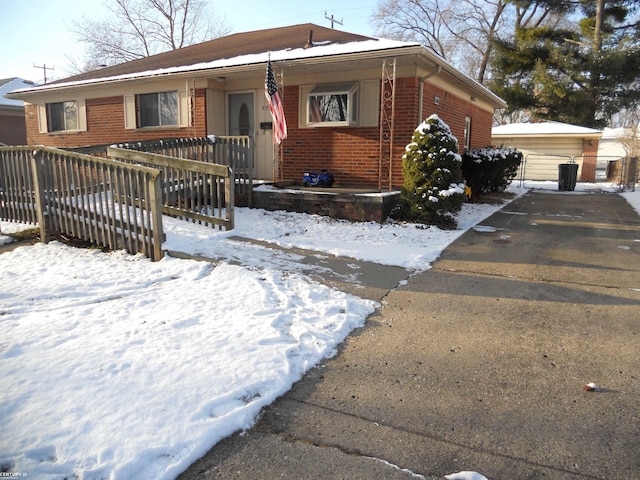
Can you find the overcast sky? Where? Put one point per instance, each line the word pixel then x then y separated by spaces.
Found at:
pixel 36 32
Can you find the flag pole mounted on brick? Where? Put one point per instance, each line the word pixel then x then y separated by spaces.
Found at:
pixel 275 105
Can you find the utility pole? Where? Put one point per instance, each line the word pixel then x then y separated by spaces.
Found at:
pixel 333 20
pixel 44 70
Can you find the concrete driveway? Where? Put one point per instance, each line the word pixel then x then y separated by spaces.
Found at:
pixel 479 363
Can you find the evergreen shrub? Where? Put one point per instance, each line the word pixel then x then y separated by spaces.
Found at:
pixel 433 191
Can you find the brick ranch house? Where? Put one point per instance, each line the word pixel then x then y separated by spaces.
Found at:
pixel 217 88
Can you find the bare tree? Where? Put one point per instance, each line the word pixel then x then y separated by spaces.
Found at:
pixel 476 25
pixel 630 140
pixel 140 28
pixel 461 31
pixel 415 20
pixel 626 117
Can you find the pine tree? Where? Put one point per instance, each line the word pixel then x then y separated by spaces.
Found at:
pixel 581 75
pixel 432 169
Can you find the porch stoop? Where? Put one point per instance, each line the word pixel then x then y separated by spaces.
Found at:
pixel 358 205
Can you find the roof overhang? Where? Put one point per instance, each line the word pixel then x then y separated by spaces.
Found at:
pixel 366 54
pixel 545 130
pixel 551 135
pixel 12 108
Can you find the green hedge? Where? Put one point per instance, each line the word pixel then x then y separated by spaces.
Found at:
pixel 490 169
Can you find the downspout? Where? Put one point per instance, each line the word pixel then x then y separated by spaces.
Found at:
pixel 422 82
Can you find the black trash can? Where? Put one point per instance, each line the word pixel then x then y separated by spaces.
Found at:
pixel 567 176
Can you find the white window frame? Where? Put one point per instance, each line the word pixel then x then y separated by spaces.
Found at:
pixel 351 92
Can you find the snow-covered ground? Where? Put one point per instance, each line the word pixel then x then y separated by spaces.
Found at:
pixel 114 367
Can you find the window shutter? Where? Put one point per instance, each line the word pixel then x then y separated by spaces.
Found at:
pixel 184 109
pixel 82 115
pixel 130 112
pixel 369 103
pixel 42 118
pixel 303 114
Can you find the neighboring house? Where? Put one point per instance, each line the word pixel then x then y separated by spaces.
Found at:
pixel 618 143
pixel 545 145
pixel 13 129
pixel 616 150
pixel 217 88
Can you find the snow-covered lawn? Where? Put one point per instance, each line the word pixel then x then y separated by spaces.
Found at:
pixel 116 367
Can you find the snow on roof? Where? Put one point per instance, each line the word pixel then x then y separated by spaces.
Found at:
pixel 244 60
pixel 542 128
pixel 9 84
pixel 243 51
pixel 618 133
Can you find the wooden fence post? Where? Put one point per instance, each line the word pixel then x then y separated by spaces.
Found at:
pixel 37 174
pixel 155 199
pixel 229 193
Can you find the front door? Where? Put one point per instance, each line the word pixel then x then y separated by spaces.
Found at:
pixel 242 121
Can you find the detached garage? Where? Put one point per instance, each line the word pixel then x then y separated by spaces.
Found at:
pixel 545 145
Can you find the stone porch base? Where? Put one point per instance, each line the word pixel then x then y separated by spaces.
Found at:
pixel 358 205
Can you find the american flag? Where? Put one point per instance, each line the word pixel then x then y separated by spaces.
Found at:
pixel 275 106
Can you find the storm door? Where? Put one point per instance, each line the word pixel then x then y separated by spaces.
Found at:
pixel 241 120
pixel 241 114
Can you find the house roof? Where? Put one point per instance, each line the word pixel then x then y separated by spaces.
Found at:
pixel 9 84
pixel 616 134
pixel 543 129
pixel 235 45
pixel 308 45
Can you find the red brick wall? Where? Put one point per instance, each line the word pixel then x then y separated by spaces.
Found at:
pixel 453 110
pixel 589 160
pixel 105 125
pixel 352 153
pixel 200 113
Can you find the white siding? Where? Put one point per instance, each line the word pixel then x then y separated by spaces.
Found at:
pixel 542 155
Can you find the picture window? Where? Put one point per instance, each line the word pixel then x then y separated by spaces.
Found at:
pixel 335 104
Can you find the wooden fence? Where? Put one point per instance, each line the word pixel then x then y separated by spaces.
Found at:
pixel 101 201
pixel 192 190
pixel 235 152
pixel 17 196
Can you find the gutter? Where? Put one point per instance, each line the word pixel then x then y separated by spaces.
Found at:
pixel 463 78
pixel 255 61
pixel 595 135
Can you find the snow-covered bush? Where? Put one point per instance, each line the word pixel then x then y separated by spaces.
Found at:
pixel 490 169
pixel 432 192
